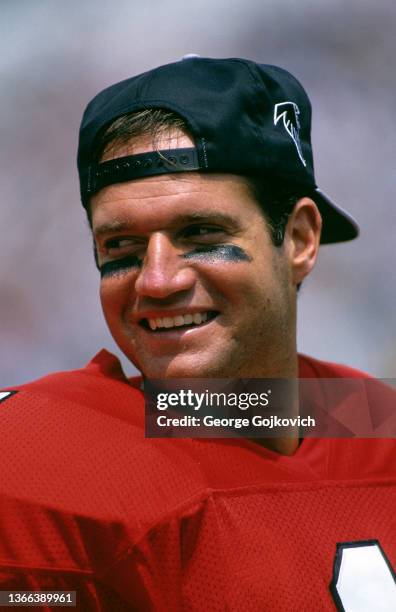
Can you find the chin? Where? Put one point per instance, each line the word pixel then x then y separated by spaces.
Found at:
pixel 183 368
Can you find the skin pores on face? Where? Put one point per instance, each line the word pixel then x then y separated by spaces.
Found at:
pixel 191 283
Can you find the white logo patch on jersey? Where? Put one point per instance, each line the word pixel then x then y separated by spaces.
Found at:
pixel 289 112
pixel 363 579
pixel 5 395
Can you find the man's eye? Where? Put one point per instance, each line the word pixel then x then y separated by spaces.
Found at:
pixel 120 245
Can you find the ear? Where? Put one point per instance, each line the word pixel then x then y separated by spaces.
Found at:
pixel 302 238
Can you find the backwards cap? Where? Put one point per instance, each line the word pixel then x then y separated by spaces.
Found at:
pixel 245 118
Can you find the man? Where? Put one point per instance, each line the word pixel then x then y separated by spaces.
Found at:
pixel 197 178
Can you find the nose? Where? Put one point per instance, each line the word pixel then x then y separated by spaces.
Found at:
pixel 163 272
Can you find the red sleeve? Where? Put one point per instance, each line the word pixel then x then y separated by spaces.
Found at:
pixel 313 368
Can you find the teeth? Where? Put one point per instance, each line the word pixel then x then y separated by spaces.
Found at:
pixel 178 321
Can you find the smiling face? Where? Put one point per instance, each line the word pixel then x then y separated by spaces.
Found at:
pixel 192 285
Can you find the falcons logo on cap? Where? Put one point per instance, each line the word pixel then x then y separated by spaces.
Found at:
pixel 289 111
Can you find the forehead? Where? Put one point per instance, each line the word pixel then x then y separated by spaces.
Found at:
pixel 160 200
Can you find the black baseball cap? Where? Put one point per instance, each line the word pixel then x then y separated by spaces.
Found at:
pixel 245 118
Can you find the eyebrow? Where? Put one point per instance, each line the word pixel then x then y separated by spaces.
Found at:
pixel 112 227
pixel 205 216
pixel 208 215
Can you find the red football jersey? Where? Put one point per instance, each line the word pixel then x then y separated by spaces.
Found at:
pixel 89 504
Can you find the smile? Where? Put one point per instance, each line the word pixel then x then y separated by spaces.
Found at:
pixel 168 323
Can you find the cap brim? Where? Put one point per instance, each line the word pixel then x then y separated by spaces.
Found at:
pixel 338 225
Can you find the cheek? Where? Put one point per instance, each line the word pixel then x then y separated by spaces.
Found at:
pixel 114 297
pixel 253 287
pixel 230 282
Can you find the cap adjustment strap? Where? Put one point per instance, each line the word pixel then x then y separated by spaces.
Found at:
pixel 142 165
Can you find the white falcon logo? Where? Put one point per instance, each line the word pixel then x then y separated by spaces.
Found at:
pixel 289 111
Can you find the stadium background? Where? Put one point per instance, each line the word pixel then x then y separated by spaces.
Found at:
pixel 56 55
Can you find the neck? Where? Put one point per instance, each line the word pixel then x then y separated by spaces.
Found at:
pixel 289 408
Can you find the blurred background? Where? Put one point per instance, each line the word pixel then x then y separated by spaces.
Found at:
pixel 56 55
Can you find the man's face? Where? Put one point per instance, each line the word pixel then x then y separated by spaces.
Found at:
pixel 191 283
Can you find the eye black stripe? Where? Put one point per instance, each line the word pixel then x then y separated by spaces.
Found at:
pixel 120 266
pixel 218 252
